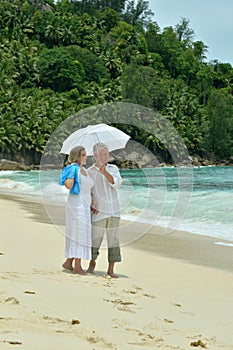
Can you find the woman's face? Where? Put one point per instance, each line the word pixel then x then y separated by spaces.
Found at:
pixel 83 158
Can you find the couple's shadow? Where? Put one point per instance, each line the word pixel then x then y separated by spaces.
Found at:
pixel 97 273
pixel 100 273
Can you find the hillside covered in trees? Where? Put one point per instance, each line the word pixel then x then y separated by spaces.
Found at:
pixel 58 58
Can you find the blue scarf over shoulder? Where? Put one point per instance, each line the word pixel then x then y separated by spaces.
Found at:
pixel 71 172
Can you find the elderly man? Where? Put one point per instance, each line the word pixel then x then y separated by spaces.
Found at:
pixel 107 180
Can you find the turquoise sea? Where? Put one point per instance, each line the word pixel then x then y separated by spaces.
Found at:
pixel 198 200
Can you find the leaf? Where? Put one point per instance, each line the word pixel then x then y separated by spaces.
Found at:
pixel 198 343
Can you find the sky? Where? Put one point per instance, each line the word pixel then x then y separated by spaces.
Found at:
pixel 211 21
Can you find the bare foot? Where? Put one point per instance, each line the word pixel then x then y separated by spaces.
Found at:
pixel 79 272
pixel 67 266
pixel 91 267
pixel 111 274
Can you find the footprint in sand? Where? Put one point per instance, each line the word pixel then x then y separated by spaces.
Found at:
pixel 119 301
pixel 148 340
pixel 121 305
pixel 135 289
pixel 10 276
pixel 183 312
pixel 101 342
pixel 130 291
pixel 55 320
pixel 144 338
pixel 6 318
pixel 168 321
pixel 11 300
pixel 149 296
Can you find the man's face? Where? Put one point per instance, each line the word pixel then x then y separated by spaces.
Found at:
pixel 102 155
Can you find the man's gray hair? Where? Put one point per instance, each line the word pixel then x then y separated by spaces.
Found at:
pixel 98 146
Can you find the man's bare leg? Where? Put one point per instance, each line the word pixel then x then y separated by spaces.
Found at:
pixel 78 268
pixel 68 264
pixel 91 267
pixel 110 270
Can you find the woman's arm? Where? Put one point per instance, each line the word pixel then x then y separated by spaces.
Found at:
pixel 69 183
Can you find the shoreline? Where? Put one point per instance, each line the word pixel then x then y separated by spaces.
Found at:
pixel 180 245
pixel 10 165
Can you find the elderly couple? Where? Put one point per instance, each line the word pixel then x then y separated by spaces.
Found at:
pixel 92 191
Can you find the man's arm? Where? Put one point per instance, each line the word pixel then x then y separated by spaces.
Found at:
pixel 108 176
pixel 114 175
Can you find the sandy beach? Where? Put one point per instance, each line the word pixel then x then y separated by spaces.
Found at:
pixel 173 292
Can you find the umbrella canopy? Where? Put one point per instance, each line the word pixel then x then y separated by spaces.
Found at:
pixel 92 134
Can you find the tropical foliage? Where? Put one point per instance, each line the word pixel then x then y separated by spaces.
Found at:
pixel 58 58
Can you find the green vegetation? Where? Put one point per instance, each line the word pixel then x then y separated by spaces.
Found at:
pixel 58 58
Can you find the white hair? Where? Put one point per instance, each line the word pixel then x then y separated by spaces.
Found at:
pixel 98 146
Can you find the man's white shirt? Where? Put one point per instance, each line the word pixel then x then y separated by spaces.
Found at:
pixel 104 193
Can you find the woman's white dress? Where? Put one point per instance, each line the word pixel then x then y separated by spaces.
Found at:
pixel 78 221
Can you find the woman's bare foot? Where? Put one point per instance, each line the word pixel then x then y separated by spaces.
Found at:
pixel 68 265
pixel 80 272
pixel 91 267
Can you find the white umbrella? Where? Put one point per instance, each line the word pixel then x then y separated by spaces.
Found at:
pixel 92 134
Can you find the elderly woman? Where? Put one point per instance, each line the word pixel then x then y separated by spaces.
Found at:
pixel 78 210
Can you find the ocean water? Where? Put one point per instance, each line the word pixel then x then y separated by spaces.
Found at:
pixel 198 200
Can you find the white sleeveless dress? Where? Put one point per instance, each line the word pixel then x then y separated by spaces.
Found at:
pixel 78 221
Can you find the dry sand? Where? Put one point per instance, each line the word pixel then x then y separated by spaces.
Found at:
pixel 173 292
